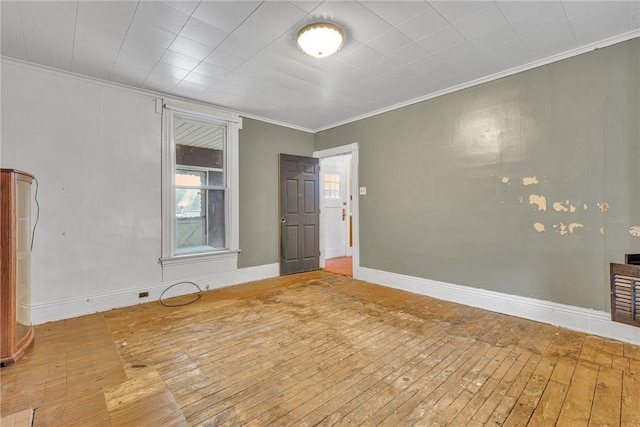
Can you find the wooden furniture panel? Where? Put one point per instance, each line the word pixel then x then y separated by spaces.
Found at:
pixel 16 332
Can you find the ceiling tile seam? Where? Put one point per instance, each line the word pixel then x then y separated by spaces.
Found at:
pixel 365 44
pixel 167 49
pixel 382 54
pixel 282 101
pixel 573 33
pixel 24 39
pixel 115 60
pixel 311 11
pixel 459 33
pixel 75 31
pixel 372 11
pixel 414 39
pixel 518 37
pixel 215 48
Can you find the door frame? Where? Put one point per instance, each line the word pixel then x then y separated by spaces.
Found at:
pixel 332 152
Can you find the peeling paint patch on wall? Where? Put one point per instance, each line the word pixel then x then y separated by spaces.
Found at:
pixel 574 225
pixel 564 207
pixel 567 229
pixel 560 207
pixel 562 227
pixel 540 201
pixel 635 230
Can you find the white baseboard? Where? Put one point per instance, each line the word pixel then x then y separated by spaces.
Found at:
pixel 566 316
pixel 65 309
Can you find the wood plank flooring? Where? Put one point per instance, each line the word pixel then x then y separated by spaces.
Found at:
pixel 320 349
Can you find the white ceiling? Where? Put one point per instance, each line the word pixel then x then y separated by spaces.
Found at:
pixel 242 54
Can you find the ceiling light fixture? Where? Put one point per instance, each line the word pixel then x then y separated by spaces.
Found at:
pixel 320 39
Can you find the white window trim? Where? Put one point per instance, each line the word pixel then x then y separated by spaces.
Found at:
pixel 234 124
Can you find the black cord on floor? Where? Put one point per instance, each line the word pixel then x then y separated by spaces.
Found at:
pixel 196 298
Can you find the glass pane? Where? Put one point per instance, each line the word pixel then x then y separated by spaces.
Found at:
pixel 216 178
pixel 190 178
pixel 23 270
pixel 200 220
pixel 189 203
pixel 216 219
pixel 331 186
pixel 190 235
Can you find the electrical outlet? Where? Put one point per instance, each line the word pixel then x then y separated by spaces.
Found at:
pixel 363 191
pixel 143 294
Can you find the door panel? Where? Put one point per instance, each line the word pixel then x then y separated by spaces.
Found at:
pixel 292 196
pixel 291 243
pixel 335 209
pixel 299 214
pixel 310 196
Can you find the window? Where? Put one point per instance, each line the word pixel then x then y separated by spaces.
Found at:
pixel 331 186
pixel 199 185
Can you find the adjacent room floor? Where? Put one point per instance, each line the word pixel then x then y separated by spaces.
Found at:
pixel 319 349
pixel 342 265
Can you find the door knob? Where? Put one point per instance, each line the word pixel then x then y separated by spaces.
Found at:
pixel 283 220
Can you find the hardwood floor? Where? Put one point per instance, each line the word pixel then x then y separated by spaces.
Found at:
pixel 320 349
pixel 341 265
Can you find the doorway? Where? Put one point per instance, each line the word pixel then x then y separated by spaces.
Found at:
pixel 336 194
pixel 338 209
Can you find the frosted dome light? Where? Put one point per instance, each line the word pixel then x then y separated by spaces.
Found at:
pixel 320 39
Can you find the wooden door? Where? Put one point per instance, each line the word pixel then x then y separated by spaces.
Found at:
pixel 299 214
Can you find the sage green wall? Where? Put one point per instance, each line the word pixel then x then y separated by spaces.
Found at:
pixel 447 195
pixel 260 146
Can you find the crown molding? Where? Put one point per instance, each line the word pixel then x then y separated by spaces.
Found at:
pixel 277 122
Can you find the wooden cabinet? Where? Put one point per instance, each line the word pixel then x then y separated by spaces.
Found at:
pixel 16 332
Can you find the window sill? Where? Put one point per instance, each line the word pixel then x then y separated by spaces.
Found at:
pixel 198 258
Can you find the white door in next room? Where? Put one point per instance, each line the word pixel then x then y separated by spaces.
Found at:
pixel 337 218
